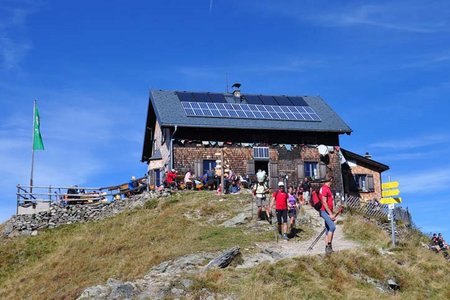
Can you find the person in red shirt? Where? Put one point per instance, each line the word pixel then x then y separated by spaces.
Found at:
pixel 280 203
pixel 171 177
pixel 327 214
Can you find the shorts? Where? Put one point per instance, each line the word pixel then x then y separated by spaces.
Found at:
pixel 329 224
pixel 292 213
pixel 261 202
pixel 282 216
pixel 306 196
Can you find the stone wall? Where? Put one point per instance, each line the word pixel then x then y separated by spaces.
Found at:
pixel 57 215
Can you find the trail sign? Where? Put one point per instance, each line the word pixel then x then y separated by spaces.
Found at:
pixel 390 185
pixel 391 200
pixel 389 193
pixel 390 189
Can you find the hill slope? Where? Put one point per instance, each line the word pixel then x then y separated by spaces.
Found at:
pixel 142 244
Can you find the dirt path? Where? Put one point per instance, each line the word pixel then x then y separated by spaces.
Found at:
pixel 274 251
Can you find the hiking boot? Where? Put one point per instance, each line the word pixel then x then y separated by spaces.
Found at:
pixel 269 220
pixel 285 237
pixel 328 249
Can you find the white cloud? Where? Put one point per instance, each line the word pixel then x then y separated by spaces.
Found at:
pixel 410 16
pixel 413 142
pixel 14 42
pixel 425 181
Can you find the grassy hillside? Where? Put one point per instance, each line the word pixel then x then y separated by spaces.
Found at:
pixel 420 273
pixel 61 262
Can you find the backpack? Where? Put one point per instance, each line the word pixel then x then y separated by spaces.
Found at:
pixel 315 200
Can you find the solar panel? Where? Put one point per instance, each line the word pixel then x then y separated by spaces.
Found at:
pixel 217 98
pixel 185 96
pixel 249 111
pixel 201 97
pixel 298 101
pixel 283 100
pixel 268 100
pixel 253 99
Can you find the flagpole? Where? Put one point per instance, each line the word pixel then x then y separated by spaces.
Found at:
pixel 32 147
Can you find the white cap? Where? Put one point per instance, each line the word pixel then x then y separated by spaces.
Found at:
pixel 281 183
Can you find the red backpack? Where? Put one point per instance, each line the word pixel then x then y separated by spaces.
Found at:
pixel 315 200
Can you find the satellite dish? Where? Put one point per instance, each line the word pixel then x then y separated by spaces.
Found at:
pixel 323 150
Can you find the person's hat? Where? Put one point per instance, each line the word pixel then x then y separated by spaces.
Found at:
pixel 173 170
pixel 281 183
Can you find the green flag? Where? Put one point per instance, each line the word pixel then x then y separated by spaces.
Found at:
pixel 38 144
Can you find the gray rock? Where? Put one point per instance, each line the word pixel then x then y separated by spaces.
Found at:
pixel 187 283
pixel 224 259
pixel 121 290
pixel 95 292
pixel 240 219
pixel 8 228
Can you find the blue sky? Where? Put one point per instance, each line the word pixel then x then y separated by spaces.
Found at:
pixel 382 65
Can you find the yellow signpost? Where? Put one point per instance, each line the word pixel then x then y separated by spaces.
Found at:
pixel 391 200
pixel 390 193
pixel 390 189
pixel 390 185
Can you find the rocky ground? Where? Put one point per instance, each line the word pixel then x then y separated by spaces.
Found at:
pixel 170 279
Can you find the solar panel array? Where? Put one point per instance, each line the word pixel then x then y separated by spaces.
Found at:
pixel 250 99
pixel 254 107
pixel 250 111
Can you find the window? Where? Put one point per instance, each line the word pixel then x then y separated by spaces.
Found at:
pixel 208 165
pixel 261 152
pixel 363 183
pixel 157 177
pixel 311 169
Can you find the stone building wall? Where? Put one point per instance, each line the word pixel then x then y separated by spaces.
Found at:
pixel 361 169
pixel 288 161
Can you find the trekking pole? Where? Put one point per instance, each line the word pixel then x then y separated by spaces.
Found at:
pixel 323 231
pixel 316 240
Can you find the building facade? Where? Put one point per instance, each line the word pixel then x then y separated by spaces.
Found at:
pixel 290 137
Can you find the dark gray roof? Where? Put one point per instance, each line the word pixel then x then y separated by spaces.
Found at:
pixel 169 112
pixel 375 164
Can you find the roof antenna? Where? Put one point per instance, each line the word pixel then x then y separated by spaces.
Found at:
pixel 226 81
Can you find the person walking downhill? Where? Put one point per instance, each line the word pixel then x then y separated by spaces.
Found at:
pixel 327 213
pixel 292 206
pixel 280 203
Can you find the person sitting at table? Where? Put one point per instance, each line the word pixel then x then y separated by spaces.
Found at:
pixel 73 190
pixel 188 180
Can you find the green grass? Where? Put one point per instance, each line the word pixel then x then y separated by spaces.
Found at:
pixel 61 262
pixel 421 273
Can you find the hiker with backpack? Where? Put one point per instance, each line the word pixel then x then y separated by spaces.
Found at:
pixel 280 203
pixel 326 212
pixel 260 190
pixel 322 201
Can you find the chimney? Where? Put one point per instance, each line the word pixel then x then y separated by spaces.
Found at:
pixel 367 155
pixel 236 91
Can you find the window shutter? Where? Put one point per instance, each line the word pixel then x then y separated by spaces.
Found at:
pixel 370 183
pixel 250 167
pixel 198 168
pixel 301 170
pixel 322 170
pixel 273 173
